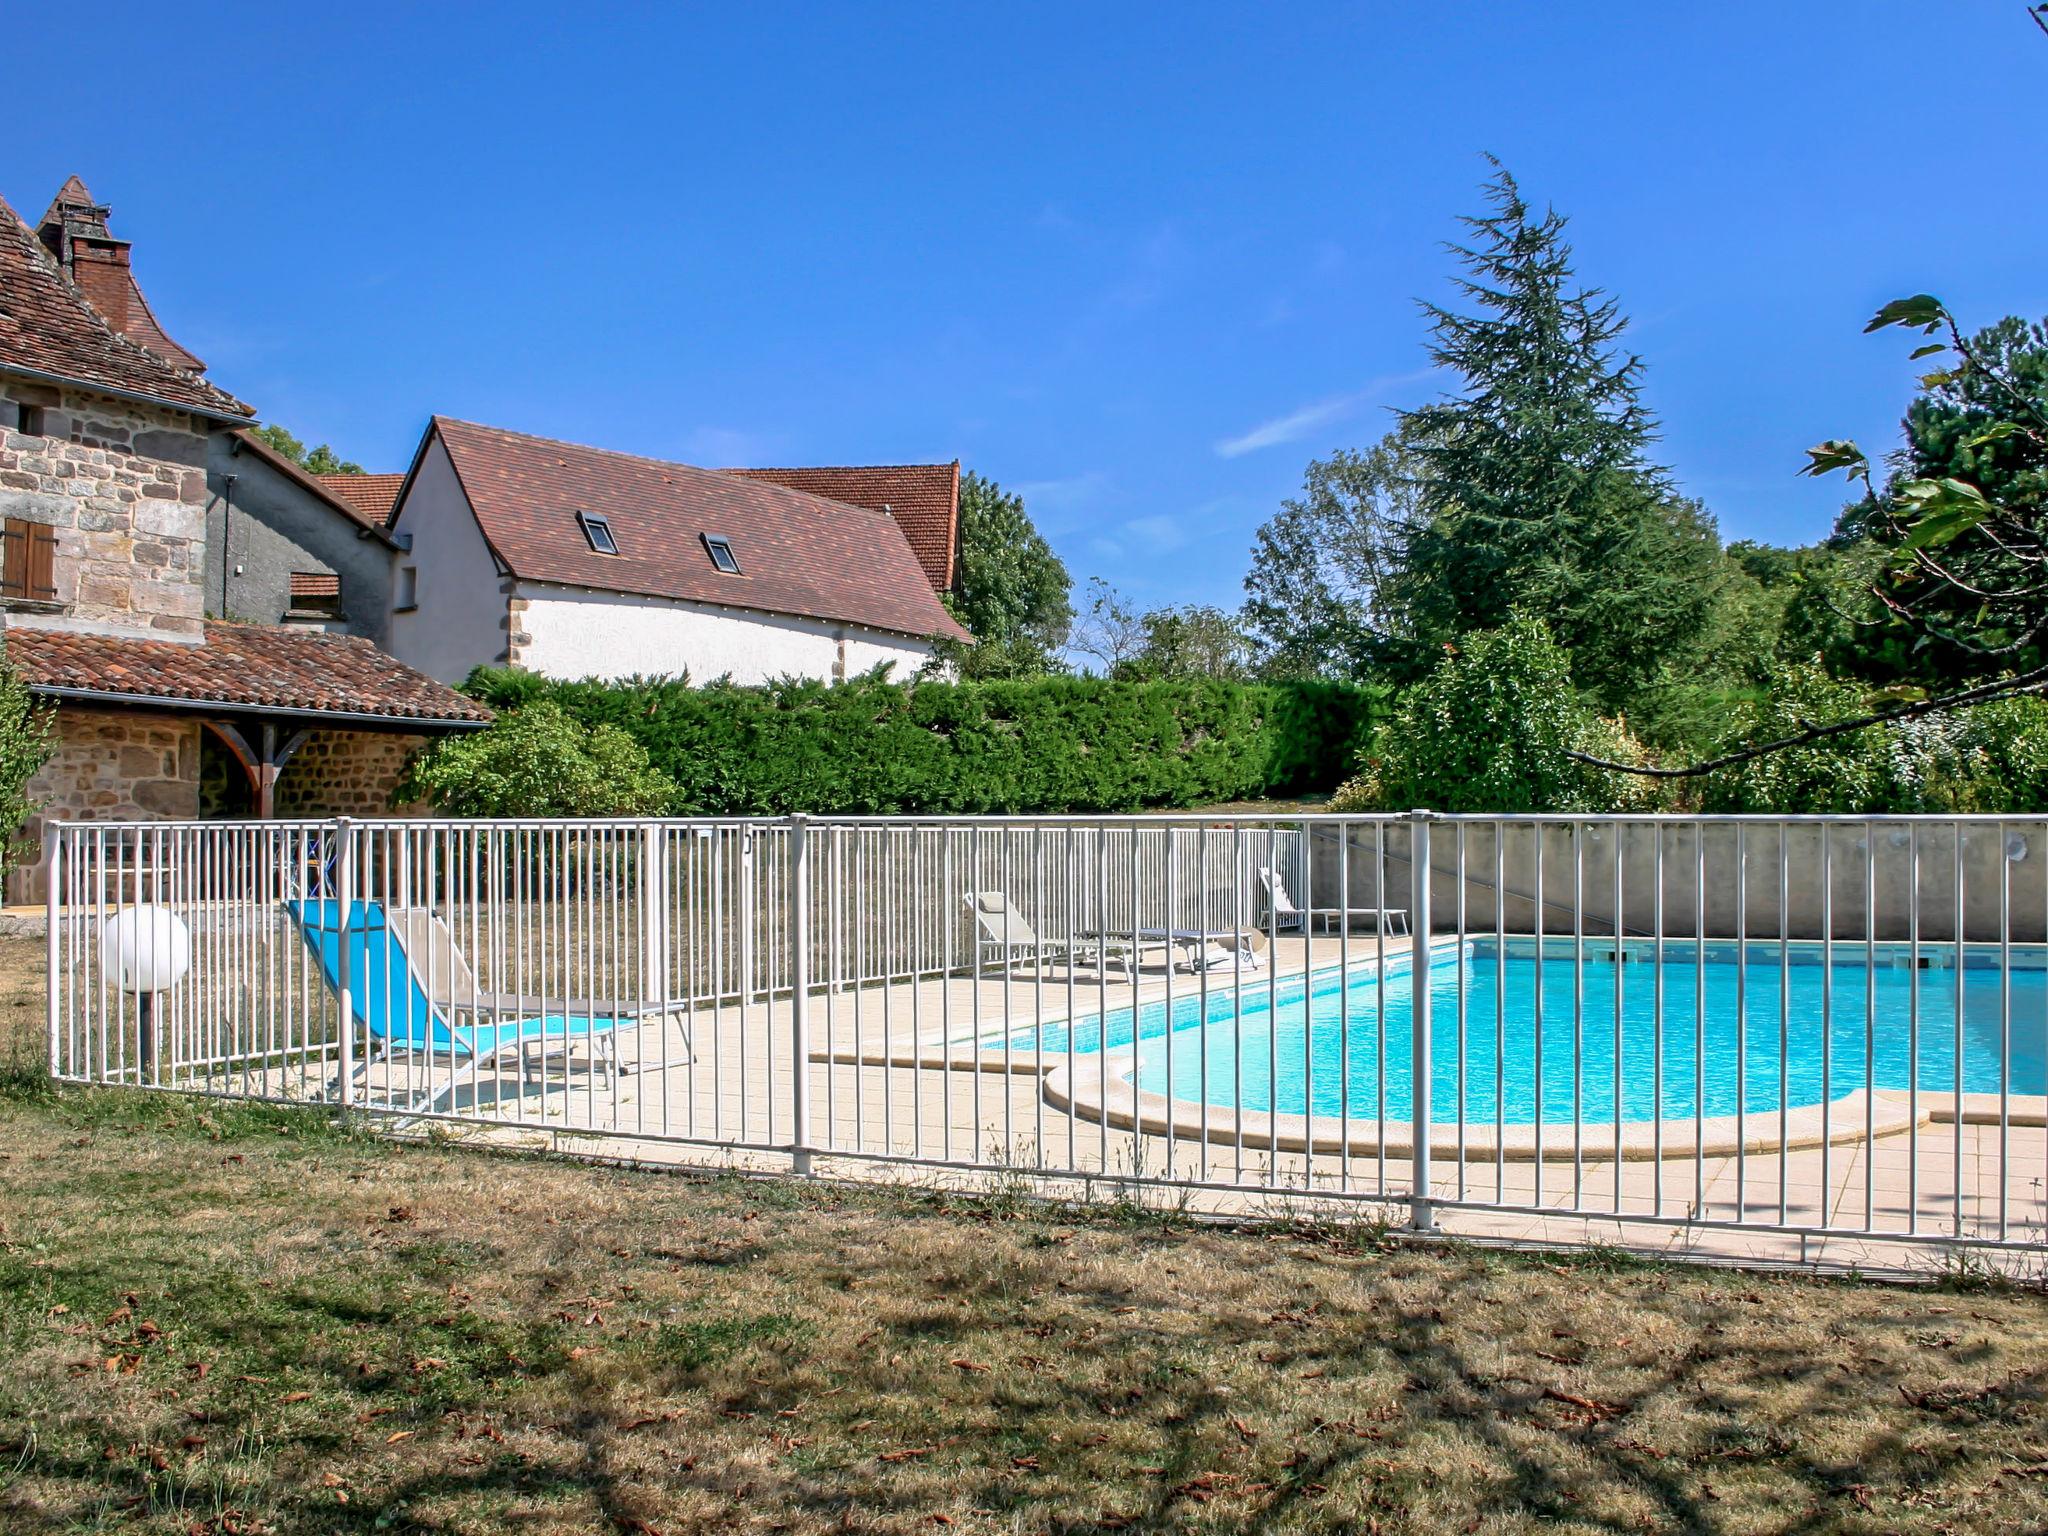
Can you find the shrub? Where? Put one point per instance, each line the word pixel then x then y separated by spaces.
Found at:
pixel 537 761
pixel 1049 744
pixel 1489 729
pixel 28 734
pixel 1992 759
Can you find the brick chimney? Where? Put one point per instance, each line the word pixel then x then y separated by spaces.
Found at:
pixel 74 230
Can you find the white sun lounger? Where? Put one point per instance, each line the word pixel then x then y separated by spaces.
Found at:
pixel 1289 917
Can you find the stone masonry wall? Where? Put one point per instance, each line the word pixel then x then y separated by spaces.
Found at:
pixel 109 766
pixel 345 773
pixel 125 487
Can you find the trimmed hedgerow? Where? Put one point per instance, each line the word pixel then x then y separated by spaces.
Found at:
pixel 1050 744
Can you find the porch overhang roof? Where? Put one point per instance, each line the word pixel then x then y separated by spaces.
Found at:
pixel 252 670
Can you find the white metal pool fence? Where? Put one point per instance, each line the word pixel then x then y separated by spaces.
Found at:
pixel 1808 1027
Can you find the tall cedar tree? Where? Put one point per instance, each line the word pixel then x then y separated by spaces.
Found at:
pixel 1537 494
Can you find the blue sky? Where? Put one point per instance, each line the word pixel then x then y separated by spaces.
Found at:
pixel 1140 262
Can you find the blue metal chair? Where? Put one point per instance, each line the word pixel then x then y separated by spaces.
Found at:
pixel 387 999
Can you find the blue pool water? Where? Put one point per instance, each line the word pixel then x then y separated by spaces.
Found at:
pixel 1315 1044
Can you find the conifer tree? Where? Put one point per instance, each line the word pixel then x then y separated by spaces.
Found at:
pixel 1537 491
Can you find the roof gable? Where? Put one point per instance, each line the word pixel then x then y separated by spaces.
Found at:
pixel 924 499
pixel 799 554
pixel 48 329
pixel 315 485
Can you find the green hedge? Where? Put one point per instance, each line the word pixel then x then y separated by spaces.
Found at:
pixel 1047 744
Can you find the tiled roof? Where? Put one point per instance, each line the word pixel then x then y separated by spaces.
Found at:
pixel 315 584
pixel 923 498
pixel 47 327
pixel 798 554
pixel 74 229
pixel 372 495
pixel 316 485
pixel 264 666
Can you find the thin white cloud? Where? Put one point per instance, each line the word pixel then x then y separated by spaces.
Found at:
pixel 1296 425
pixel 1159 534
pixel 721 447
pixel 1052 503
pixel 1292 427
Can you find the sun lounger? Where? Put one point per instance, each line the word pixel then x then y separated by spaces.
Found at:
pixel 388 1001
pixel 1287 916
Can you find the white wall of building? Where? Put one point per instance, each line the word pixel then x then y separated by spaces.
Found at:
pixel 459 618
pixel 572 633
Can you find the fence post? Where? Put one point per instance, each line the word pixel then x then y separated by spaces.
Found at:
pixel 655 926
pixel 799 995
pixel 344 891
pixel 1421 1212
pixel 51 918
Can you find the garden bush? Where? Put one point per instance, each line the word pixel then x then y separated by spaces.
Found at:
pixel 1050 744
pixel 1489 730
pixel 536 761
pixel 1992 759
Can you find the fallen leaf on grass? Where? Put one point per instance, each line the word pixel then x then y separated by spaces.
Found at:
pixel 397 1435
pixel 1592 1407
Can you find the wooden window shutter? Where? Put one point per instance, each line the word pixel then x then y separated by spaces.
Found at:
pixel 42 562
pixel 14 539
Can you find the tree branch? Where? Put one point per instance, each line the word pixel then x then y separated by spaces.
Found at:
pixel 1984 693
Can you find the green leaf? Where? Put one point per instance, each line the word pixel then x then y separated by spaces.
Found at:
pixel 1945 508
pixel 1836 453
pixel 1927 351
pixel 1997 432
pixel 1922 312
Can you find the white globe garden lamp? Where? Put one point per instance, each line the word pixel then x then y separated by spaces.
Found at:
pixel 145 950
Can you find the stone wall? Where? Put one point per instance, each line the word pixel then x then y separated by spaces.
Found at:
pixel 109 766
pixel 125 488
pixel 345 773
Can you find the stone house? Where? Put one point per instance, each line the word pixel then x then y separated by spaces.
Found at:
pixel 580 562
pixel 282 546
pixel 107 433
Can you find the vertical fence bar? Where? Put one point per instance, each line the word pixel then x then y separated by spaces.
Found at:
pixel 345 884
pixel 53 968
pixel 799 996
pixel 1421 1215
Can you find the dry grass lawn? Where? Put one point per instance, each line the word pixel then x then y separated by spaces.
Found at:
pixel 221 1320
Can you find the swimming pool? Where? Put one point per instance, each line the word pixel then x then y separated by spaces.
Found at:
pixel 1316 1043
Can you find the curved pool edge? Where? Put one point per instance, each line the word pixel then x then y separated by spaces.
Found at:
pixel 1847 1120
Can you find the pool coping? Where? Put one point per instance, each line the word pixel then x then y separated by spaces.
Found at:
pixel 1852 1118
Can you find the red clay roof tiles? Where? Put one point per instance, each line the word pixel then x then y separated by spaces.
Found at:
pixel 264 666
pixel 48 327
pixel 923 498
pixel 372 495
pixel 798 554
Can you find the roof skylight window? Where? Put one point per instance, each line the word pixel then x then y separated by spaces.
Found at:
pixel 598 529
pixel 720 551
